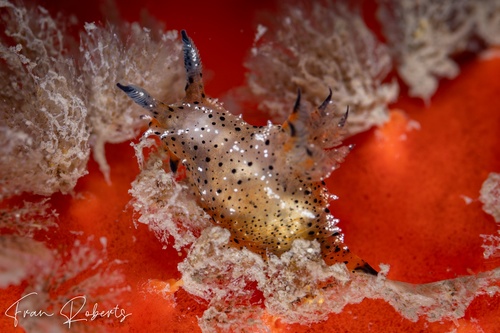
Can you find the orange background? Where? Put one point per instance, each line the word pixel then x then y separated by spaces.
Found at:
pixel 400 200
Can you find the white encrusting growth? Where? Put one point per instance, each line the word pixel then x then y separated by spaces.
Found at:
pixel 315 46
pixel 490 197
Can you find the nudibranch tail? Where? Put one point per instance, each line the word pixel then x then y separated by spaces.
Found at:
pixel 263 183
pixel 334 250
pixel 192 63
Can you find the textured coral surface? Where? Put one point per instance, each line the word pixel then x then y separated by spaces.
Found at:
pixel 402 197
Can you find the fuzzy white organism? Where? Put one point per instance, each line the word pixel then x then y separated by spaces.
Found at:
pixel 43 115
pixel 316 46
pixel 61 102
pixel 425 35
pixel 490 197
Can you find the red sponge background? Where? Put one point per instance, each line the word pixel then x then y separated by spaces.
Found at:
pixel 401 193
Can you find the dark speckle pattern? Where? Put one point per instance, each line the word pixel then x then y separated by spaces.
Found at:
pixel 264 184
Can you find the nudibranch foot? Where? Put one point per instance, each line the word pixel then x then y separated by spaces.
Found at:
pixel 262 183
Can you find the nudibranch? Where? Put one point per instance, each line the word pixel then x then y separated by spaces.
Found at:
pixel 263 183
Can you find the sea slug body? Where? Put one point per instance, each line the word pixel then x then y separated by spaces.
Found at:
pixel 265 184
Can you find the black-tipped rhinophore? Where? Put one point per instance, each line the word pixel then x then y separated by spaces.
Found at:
pixel 344 118
pixel 296 107
pixel 327 100
pixel 192 61
pixel 138 95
